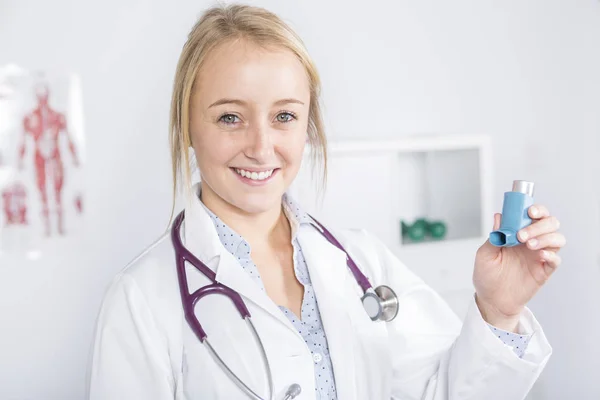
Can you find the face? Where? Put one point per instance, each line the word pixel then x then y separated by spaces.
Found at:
pixel 248 124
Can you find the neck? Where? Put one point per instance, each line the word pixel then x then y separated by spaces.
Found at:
pixel 258 229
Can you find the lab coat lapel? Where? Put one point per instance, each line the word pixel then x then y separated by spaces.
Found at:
pixel 329 274
pixel 231 274
pixel 202 240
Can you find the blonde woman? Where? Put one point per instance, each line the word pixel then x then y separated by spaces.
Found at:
pixel 333 316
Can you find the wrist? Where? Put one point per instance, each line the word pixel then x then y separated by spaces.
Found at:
pixel 493 316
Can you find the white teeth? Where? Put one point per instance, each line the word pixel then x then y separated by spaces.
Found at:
pixel 255 176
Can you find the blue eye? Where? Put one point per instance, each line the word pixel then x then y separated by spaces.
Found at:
pixel 285 117
pixel 229 119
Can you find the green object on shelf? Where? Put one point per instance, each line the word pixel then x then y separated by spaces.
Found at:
pixel 417 232
pixel 437 230
pixel 420 223
pixel 421 229
pixel 404 227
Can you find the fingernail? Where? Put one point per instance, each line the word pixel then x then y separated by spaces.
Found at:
pixel 533 243
pixel 524 236
pixel 534 211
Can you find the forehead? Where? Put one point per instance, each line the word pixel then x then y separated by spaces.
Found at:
pixel 242 69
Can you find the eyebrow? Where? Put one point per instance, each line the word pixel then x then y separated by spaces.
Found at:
pixel 243 103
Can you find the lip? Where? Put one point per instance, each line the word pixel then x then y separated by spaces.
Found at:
pixel 251 182
pixel 263 169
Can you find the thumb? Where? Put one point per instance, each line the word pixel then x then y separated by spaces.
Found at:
pixel 488 250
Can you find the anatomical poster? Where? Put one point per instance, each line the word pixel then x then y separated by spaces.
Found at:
pixel 41 157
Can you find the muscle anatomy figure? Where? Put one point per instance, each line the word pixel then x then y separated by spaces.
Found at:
pixel 45 126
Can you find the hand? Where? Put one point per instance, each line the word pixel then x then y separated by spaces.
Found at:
pixel 506 278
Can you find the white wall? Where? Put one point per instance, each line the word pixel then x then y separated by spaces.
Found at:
pixel 525 72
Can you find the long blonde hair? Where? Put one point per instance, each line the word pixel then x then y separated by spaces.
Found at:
pixel 218 25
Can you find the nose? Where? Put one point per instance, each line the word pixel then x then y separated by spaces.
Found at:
pixel 260 144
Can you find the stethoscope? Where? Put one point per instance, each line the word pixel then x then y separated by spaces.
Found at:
pixel 381 303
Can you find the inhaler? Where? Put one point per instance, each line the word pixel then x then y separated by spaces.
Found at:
pixel 514 214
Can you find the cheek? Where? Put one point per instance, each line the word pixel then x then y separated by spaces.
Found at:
pixel 293 151
pixel 212 151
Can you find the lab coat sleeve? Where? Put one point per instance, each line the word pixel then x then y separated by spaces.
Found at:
pixel 435 357
pixel 130 358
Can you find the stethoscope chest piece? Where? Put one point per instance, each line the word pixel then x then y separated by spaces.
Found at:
pixel 381 304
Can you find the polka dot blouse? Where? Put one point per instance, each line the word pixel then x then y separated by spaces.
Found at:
pixel 516 341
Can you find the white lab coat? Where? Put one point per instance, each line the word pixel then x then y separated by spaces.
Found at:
pixel 144 349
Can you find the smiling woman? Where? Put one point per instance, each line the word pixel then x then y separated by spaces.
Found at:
pixel 331 315
pixel 259 85
pixel 262 130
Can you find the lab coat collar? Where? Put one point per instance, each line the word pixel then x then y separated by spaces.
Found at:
pixel 203 227
pixel 238 246
pixel 200 235
pixel 201 238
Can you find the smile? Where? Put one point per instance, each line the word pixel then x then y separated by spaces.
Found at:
pixel 254 175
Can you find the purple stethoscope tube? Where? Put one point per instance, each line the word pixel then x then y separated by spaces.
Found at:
pixel 190 299
pixel 380 304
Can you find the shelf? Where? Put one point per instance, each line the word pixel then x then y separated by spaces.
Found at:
pixel 409 144
pixel 376 184
pixel 443 186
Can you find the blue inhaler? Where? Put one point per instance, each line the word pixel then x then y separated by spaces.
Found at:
pixel 514 214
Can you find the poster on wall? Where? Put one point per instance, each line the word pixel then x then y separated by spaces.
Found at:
pixel 41 158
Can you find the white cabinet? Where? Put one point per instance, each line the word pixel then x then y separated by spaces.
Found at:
pixel 375 184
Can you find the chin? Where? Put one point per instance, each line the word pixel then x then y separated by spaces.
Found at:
pixel 256 203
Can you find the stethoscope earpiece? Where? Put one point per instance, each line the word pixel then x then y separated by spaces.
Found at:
pixel 381 304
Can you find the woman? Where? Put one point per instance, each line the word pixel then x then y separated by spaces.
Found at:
pixel 246 101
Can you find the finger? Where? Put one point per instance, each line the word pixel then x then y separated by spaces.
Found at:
pixel 497 221
pixel 548 240
pixel 537 228
pixel 551 260
pixel 538 211
pixel 552 249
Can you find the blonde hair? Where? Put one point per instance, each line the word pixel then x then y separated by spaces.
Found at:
pixel 218 25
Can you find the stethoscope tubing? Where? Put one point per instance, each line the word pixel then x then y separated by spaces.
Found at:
pixel 251 393
pixel 189 301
